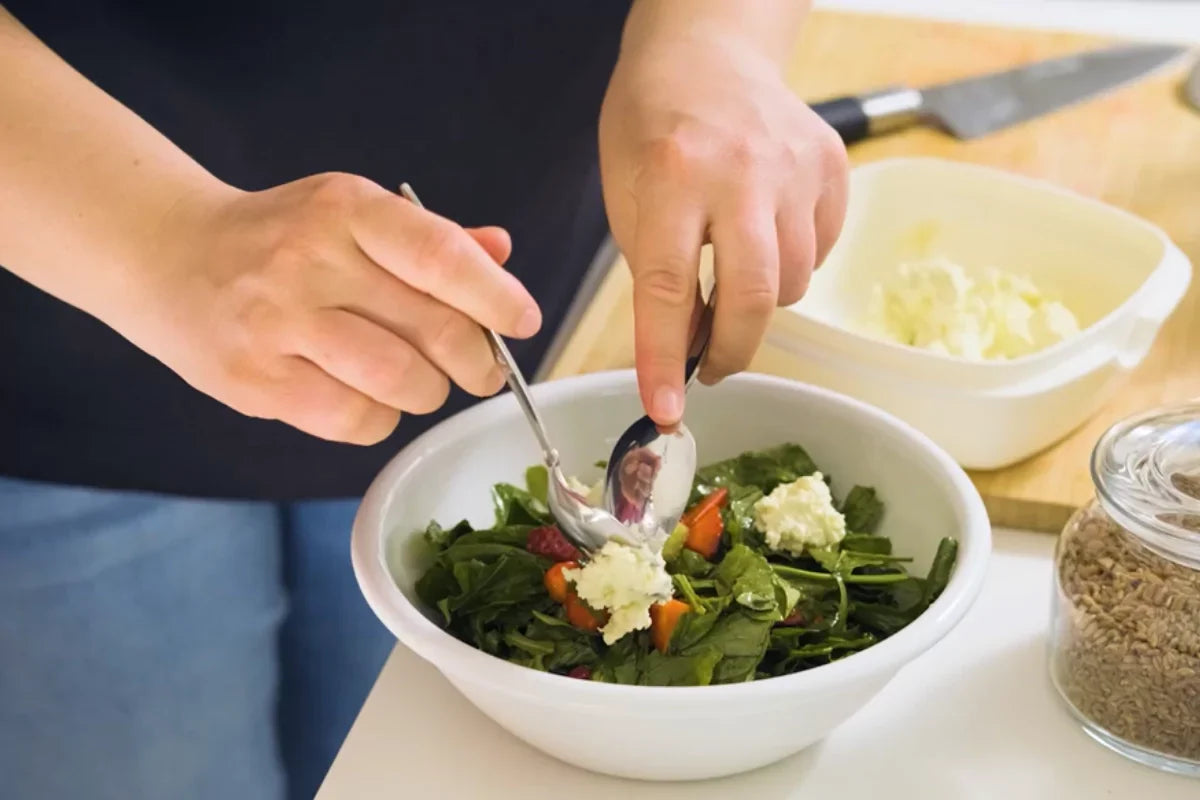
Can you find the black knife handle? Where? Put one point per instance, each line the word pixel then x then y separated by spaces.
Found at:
pixel 846 116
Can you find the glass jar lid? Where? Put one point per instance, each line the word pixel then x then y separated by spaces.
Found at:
pixel 1147 475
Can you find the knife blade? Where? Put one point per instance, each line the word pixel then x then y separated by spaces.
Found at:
pixel 980 105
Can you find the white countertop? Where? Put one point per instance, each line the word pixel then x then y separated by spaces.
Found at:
pixel 975 718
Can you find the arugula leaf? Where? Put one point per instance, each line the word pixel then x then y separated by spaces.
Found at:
pixel 537 483
pixel 862 510
pixel 518 507
pixel 762 469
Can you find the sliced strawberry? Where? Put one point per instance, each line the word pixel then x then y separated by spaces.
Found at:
pixel 549 542
pixel 582 672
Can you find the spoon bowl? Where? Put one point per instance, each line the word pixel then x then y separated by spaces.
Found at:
pixel 650 473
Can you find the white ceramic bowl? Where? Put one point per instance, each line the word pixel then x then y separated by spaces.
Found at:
pixel 1120 275
pixel 667 733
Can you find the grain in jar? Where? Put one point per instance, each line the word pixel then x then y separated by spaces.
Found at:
pixel 1125 647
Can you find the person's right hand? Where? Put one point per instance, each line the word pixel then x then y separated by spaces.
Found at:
pixel 331 304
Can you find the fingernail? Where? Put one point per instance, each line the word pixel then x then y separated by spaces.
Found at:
pixel 529 323
pixel 668 404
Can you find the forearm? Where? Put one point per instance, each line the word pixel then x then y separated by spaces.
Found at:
pixel 771 27
pixel 88 190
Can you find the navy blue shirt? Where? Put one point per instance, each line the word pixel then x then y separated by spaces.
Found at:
pixel 488 108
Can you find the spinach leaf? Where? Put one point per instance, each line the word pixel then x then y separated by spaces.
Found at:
pixel 794 573
pixel 621 662
pixel 439 538
pixel 696 669
pixel 697 623
pixel 844 562
pixel 883 619
pixel 748 577
pixel 537 483
pixel 738 516
pixel 762 469
pixel 483 586
pixel 436 585
pixel 741 640
pixel 825 649
pixel 862 510
pixel 518 507
pixel 867 543
pixel 690 563
pixel 561 645
pixel 510 535
pixel 939 571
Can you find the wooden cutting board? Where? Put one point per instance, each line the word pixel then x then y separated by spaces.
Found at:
pixel 1138 148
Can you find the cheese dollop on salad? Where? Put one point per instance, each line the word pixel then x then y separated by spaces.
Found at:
pixel 625 581
pixel 936 305
pixel 799 515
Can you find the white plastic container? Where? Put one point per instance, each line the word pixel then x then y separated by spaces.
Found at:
pixel 1121 276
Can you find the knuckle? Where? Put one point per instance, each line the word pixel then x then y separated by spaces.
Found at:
pixel 337 191
pixel 449 334
pixel 756 295
pixel 438 250
pixel 831 153
pixel 673 154
pixel 669 281
pixel 745 153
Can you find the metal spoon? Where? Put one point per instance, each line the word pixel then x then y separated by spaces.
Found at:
pixel 586 526
pixel 650 472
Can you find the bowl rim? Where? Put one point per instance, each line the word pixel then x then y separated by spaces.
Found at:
pixel 1173 268
pixel 457 659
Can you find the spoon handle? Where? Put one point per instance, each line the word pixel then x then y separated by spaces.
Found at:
pixel 512 373
pixel 699 343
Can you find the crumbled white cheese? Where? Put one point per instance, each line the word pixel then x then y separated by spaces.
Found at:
pixel 593 494
pixel 624 581
pixel 800 514
pixel 935 305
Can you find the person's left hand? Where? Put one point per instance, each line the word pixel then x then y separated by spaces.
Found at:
pixel 701 140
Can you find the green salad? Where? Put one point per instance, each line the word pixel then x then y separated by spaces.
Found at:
pixel 742 605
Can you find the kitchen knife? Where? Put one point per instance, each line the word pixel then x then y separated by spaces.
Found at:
pixel 976 106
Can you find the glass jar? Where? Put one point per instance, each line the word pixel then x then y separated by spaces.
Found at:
pixel 1125 642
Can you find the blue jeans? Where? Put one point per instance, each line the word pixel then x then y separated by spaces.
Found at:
pixel 160 647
